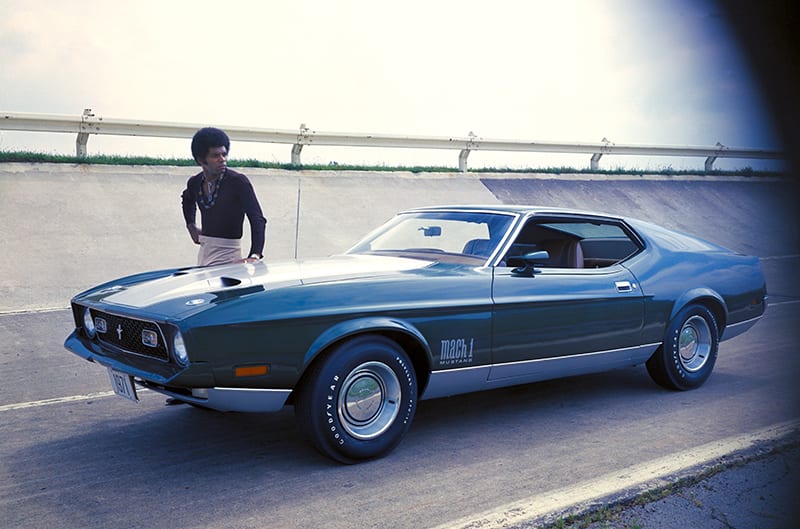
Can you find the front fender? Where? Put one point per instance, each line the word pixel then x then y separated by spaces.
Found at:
pixel 360 326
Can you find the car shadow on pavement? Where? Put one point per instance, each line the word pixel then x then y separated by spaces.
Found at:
pixel 107 460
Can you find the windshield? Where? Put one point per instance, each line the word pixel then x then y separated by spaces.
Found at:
pixel 471 234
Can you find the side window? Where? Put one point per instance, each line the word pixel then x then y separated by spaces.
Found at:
pixel 573 244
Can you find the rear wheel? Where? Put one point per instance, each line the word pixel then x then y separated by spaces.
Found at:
pixel 358 401
pixel 687 356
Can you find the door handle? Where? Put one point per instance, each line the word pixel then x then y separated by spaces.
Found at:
pixel 625 286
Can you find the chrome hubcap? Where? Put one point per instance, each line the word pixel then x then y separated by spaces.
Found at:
pixel 694 343
pixel 369 401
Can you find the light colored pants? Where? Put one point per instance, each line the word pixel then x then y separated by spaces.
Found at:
pixel 215 251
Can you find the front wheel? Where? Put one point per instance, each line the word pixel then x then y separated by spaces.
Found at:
pixel 687 356
pixel 358 401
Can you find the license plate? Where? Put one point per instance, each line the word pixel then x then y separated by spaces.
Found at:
pixel 122 384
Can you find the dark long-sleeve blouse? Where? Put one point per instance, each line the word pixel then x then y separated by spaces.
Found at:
pixel 235 199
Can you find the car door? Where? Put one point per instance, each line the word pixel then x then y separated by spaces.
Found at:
pixel 562 312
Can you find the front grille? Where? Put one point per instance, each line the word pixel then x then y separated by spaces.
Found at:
pixel 130 335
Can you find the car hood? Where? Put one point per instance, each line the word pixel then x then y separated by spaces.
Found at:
pixel 200 284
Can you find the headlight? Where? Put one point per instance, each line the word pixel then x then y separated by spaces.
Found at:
pixel 88 323
pixel 179 349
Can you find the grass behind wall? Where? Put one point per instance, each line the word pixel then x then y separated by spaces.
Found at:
pixel 35 157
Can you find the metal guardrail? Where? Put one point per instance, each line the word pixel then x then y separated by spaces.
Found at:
pixel 88 123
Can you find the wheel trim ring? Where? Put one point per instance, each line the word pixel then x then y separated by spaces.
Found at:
pixel 694 343
pixel 369 400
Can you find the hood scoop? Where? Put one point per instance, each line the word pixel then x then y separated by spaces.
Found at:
pixel 179 284
pixel 224 282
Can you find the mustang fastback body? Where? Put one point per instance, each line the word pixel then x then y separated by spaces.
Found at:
pixel 436 302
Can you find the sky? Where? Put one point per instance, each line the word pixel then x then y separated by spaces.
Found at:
pixel 653 72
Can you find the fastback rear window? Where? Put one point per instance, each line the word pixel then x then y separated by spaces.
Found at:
pixel 588 230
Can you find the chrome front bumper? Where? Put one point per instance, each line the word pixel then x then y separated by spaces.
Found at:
pixel 221 399
pixel 228 399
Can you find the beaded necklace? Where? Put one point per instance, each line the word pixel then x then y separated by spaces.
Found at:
pixel 205 201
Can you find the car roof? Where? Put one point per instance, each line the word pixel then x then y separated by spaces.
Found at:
pixel 516 209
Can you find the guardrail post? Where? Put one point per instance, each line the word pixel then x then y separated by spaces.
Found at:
pixel 606 148
pixel 462 160
pixel 302 139
pixel 709 165
pixel 594 164
pixel 296 148
pixel 82 140
pixel 80 144
pixel 472 143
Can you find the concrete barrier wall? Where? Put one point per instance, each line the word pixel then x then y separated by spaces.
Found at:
pixel 65 227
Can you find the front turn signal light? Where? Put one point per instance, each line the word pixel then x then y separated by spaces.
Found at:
pixel 251 371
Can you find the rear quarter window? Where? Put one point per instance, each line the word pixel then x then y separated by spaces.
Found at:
pixel 574 243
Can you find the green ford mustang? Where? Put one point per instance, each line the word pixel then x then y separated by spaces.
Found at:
pixel 438 301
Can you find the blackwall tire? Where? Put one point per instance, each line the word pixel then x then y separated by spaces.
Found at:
pixel 687 357
pixel 358 401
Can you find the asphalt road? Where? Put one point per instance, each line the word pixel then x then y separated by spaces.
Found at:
pixel 72 455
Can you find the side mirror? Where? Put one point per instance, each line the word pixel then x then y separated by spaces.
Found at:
pixel 530 259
